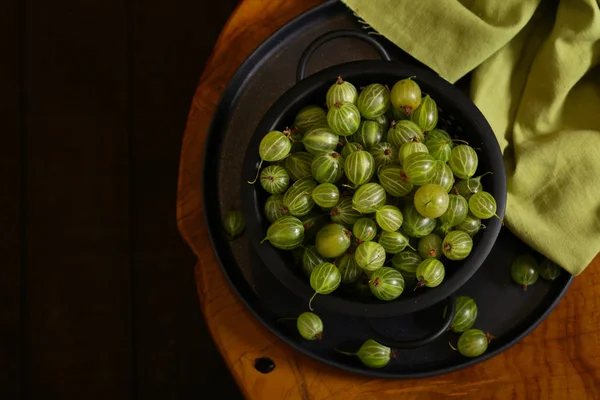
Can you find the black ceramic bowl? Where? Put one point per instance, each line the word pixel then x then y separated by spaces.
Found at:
pixel 457 114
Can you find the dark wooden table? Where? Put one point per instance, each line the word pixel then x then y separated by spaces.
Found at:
pixel 97 290
pixel 559 360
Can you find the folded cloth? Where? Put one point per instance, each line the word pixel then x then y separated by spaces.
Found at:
pixel 535 77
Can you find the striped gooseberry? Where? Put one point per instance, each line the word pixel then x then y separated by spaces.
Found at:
pixel 286 233
pixel 341 92
pixel 234 223
pixel 470 225
pixel 457 245
pixel 343 118
pixel 327 167
pixel 310 117
pixel 419 167
pixel 310 258
pixel 275 208
pixel 549 270
pixel 430 273
pixel 463 161
pixel 372 354
pixel 524 270
pixel 298 199
pixel 465 314
pixel 458 209
pixel 274 146
pixel 431 200
pixel 439 148
pixel 416 146
pixel 443 176
pixel 332 240
pixel 468 187
pixel 369 133
pixel 359 167
pixel 298 165
pixel 319 140
pixel 483 205
pixel 415 224
pixel 426 115
pixel 394 180
pixel 389 218
pixel 373 100
pixel 370 256
pixel 473 342
pixel 349 269
pixel 326 195
pixel 384 154
pixel 404 131
pixel 344 213
pixel 364 229
pixel 324 279
pixel 430 246
pixel 274 179
pixel 393 242
pixel 406 95
pixel 350 147
pixel 369 198
pixel 310 326
pixel 386 284
pixel 407 262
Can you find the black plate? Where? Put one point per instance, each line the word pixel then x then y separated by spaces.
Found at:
pixel 505 310
pixel 457 116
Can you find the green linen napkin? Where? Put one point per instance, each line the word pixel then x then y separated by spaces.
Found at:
pixel 536 79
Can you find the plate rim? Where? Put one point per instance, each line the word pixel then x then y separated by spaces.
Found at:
pixel 229 96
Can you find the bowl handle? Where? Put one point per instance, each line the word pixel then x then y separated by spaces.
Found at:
pixel 318 42
pixel 413 344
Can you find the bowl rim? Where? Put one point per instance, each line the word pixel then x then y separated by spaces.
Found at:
pixel 301 91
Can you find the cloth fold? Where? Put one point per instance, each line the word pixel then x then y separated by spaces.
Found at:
pixel 536 78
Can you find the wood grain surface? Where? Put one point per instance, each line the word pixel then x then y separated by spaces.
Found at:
pixel 97 290
pixel 559 360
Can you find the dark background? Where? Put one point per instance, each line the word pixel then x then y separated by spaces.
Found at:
pixel 97 295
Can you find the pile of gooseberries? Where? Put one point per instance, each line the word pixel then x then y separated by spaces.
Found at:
pixel 370 194
pixel 372 190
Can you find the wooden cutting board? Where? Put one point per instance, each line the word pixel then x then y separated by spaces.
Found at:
pixel 559 360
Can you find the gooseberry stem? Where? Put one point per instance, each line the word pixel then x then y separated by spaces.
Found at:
pixel 484 174
pixel 420 284
pixel 310 302
pixel 257 173
pixel 345 352
pixel 266 238
pixel 288 132
pixel 452 347
pixel 412 248
pixel 460 141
